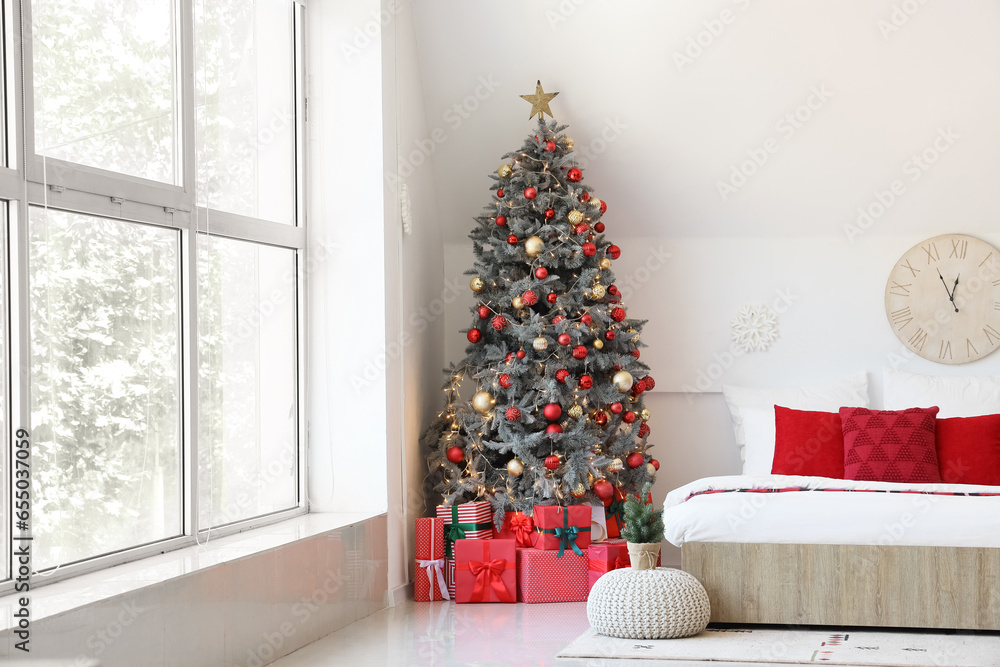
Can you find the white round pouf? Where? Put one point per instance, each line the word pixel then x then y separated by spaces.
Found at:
pixel 648 604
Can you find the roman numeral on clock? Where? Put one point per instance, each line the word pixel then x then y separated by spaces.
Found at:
pixel 970 349
pixel 959 248
pixel 897 289
pixel 918 339
pixel 907 265
pixel 945 349
pixel 991 333
pixel 901 317
pixel 932 252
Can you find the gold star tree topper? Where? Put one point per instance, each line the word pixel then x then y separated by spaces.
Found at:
pixel 540 102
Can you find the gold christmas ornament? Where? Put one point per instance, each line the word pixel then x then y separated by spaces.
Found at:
pixel 595 202
pixel 533 246
pixel 504 171
pixel 650 470
pixel 605 263
pixel 598 344
pixel 597 291
pixel 622 381
pixel 477 284
pixel 644 415
pixel 517 302
pixel 482 401
pixel 515 467
pixel 575 411
pixel 540 344
pixel 569 142
pixel 616 465
pixel 633 399
pixel 574 216
pixel 579 490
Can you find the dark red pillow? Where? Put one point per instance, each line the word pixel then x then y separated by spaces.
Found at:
pixel 808 443
pixel 890 445
pixel 968 450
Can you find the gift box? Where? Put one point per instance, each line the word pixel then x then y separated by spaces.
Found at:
pixel 428 574
pixel 519 527
pixel 485 571
pixel 614 512
pixel 544 576
pixel 466 521
pixel 563 528
pixel 604 557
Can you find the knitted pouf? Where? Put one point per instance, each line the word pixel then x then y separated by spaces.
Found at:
pixel 648 604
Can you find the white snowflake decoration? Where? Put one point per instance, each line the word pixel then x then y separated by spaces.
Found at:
pixel 754 328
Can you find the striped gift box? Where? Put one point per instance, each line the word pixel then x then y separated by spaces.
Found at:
pixel 466 521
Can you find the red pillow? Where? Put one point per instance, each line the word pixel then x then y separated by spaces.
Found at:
pixel 808 443
pixel 968 450
pixel 890 445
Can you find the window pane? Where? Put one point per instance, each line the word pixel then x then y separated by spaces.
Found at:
pixel 104 82
pixel 245 107
pixel 247 381
pixel 105 391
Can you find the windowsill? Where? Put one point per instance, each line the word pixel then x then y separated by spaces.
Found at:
pixel 70 594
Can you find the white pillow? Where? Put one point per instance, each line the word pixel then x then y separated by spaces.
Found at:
pixel 963 396
pixel 827 397
pixel 761 432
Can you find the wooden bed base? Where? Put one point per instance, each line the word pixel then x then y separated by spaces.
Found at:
pixel 847 585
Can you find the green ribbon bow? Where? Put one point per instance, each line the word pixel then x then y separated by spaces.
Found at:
pixel 567 535
pixel 456 531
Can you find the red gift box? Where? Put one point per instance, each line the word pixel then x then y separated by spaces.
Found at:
pixel 467 521
pixel 428 574
pixel 485 571
pixel 563 528
pixel 544 576
pixel 614 511
pixel 605 557
pixel 519 527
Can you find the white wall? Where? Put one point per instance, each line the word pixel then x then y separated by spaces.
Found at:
pixel 662 133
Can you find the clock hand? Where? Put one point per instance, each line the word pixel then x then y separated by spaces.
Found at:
pixel 950 296
pixel 953 290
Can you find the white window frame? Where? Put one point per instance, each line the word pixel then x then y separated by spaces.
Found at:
pixel 30 180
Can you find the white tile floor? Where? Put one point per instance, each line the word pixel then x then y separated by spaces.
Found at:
pixel 440 634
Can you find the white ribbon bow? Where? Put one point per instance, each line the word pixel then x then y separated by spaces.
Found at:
pixel 437 566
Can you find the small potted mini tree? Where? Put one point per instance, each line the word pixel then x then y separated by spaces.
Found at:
pixel 643 530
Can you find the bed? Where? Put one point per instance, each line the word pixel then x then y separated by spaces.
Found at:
pixel 813 550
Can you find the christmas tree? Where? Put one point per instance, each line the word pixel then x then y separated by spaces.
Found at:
pixel 553 409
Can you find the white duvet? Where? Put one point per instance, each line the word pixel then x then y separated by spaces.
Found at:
pixel 832 517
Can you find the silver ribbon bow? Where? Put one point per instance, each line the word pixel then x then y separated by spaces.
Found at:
pixel 432 567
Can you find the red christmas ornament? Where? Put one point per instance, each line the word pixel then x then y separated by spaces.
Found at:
pixel 498 322
pixel 551 461
pixel 585 197
pixel 551 298
pixel 501 220
pixel 649 382
pixel 513 413
pixel 589 249
pixel 549 214
pixel 521 354
pixel 483 312
pixel 586 382
pixel 604 207
pixel 618 314
pixel 512 239
pixel 628 417
pixel 529 298
pixel 603 489
pixel 616 408
pixel 614 252
pixel 504 381
pixel 530 192
pixel 581 228
pixel 613 289
pixel 552 411
pixel 561 375
pixel 553 428
pixel 635 459
pixel 635 353
pixel 509 357
pixel 550 146
pixel 541 273
pixel 579 352
pixel 574 175
pixel 564 339
pixel 609 334
pixel 455 454
pixel 644 430
pixel 587 319
pixel 638 387
pixel 601 417
pixel 599 228
pixel 500 193
pixel 656 464
pixel 557 319
pixel 474 335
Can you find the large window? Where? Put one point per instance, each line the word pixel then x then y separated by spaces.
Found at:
pixel 151 197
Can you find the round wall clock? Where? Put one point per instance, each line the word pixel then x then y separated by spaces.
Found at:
pixel 943 299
